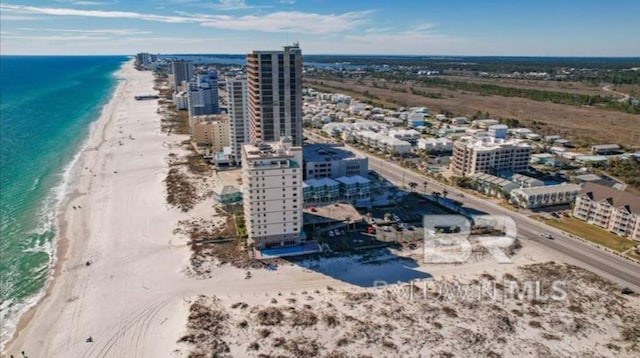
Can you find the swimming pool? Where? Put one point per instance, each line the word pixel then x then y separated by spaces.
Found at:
pixel 309 247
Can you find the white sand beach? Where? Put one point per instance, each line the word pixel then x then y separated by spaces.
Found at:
pixel 133 297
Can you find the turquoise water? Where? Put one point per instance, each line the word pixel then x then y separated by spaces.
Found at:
pixel 46 107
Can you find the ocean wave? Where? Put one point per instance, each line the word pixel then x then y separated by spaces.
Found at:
pixel 50 210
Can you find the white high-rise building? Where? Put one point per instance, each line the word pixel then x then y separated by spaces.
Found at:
pixel 272 193
pixel 238 115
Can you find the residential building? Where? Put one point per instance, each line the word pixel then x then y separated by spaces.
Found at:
pixel 614 210
pixel 408 135
pixel 203 95
pixel 541 196
pixel 320 190
pixel 485 123
pixel 354 187
pixel 227 194
pixel 436 145
pixel 332 161
pixel 489 155
pixel 237 105
pixel 605 149
pixel 211 131
pixel 498 131
pixel 272 193
pixel 526 181
pixel 181 71
pixel 493 185
pixel 274 84
pixel 415 119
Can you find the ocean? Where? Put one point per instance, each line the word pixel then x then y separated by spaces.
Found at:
pixel 47 104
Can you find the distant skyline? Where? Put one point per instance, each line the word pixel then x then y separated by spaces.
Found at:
pixel 402 27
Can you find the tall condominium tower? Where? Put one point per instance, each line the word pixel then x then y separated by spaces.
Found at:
pixel 182 71
pixel 274 82
pixel 272 193
pixel 238 116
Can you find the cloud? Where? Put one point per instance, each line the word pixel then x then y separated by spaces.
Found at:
pixel 101 31
pixel 291 21
pixel 288 2
pixel 7 17
pixel 86 2
pixel 58 38
pixel 286 21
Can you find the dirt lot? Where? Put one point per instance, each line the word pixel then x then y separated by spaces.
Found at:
pixel 584 125
pixel 571 87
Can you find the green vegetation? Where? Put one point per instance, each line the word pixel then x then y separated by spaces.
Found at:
pixel 591 233
pixel 607 102
pixel 627 170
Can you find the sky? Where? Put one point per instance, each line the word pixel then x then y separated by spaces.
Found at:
pixel 377 27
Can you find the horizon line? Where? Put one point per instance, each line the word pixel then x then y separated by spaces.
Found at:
pixel 316 54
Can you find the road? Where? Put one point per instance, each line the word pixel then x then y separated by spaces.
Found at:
pixel 597 260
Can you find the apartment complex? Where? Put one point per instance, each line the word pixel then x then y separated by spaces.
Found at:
pixel 211 131
pixel 489 155
pixel 541 196
pixel 610 209
pixel 181 71
pixel 274 84
pixel 332 161
pixel 238 115
pixel 272 193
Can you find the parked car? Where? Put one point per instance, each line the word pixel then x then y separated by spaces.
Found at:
pixel 546 235
pixel 386 228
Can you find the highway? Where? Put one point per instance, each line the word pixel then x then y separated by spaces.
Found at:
pixel 622 271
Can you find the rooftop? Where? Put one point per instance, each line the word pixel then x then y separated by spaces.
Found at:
pixel 549 189
pixel 493 179
pixel 616 198
pixel 356 179
pixel 326 152
pixel 320 182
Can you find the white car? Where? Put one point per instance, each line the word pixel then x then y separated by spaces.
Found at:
pixel 546 235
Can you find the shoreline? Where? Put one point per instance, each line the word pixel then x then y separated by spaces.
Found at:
pixel 61 244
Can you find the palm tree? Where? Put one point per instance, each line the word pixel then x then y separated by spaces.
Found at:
pixel 413 186
pixel 444 193
pixel 424 186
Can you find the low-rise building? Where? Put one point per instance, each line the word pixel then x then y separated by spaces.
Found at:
pixel 605 149
pixel 485 123
pixel 526 181
pixel 542 196
pixel 354 187
pixel 493 185
pixel 435 145
pixel 227 194
pixel 332 161
pixel 408 135
pixel 320 190
pixel 614 210
pixel 498 131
